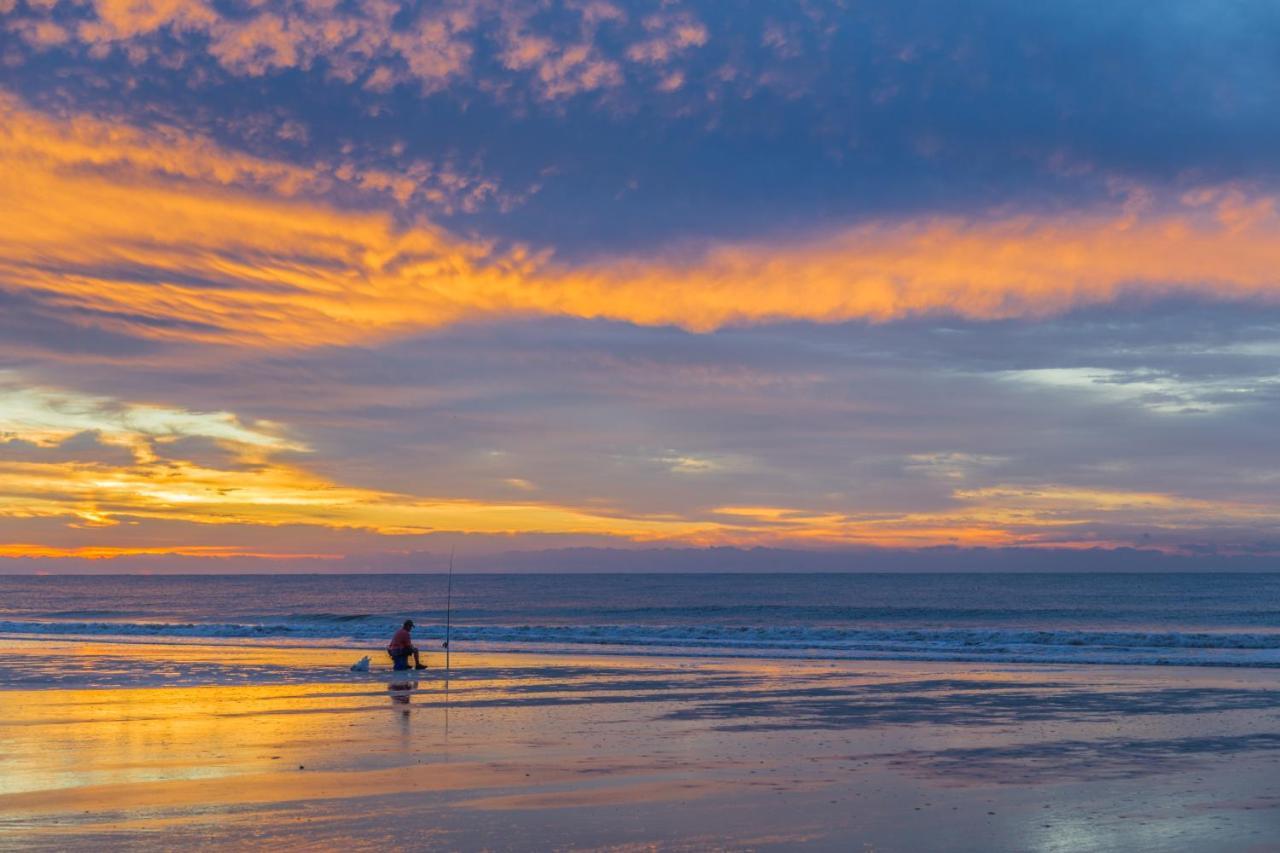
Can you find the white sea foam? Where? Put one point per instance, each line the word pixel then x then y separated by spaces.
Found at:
pixel 942 644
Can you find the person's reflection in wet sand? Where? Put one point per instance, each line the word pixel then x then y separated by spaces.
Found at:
pixel 400 692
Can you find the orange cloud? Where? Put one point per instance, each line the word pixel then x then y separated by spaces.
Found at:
pixel 162 233
pixel 252 488
pixel 108 552
pixel 96 495
pixel 670 35
pixel 86 147
pixel 371 39
pixel 168 235
pixel 272 494
pixel 294 36
pixel 117 20
pixel 1046 515
pixel 63 484
pixel 1217 243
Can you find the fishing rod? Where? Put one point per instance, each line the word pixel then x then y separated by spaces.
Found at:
pixel 448 626
pixel 448 613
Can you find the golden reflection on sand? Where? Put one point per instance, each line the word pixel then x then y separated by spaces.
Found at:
pixel 283 747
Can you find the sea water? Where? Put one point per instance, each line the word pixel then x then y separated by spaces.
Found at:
pixel 1188 619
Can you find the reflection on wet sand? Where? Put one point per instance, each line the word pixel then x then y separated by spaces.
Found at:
pixel 581 752
pixel 401 691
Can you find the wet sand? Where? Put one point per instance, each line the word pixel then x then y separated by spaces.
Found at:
pixel 155 747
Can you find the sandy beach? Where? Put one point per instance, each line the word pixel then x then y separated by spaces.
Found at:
pixel 152 746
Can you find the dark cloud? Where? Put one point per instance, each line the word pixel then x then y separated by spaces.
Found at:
pixel 31 330
pixel 84 447
pixel 785 117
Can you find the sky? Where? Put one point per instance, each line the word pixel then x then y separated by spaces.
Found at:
pixel 348 283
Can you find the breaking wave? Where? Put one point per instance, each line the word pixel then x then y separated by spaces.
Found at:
pixel 1252 649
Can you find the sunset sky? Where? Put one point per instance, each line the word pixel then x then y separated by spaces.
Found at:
pixel 293 285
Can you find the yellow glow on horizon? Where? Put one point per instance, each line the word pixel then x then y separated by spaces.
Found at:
pixel 277 496
pixel 106 552
pixel 274 495
pixel 256 489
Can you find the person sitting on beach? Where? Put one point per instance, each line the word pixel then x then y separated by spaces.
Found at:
pixel 401 647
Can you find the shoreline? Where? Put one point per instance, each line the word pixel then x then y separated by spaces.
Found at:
pixel 1267 660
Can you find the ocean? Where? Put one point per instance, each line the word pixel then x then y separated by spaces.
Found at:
pixel 1177 619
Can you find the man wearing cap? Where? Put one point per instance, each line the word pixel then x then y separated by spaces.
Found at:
pixel 401 646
